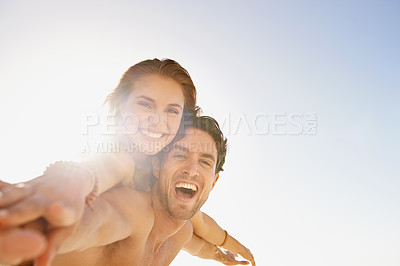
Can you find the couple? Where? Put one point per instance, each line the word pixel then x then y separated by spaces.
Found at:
pixel 171 175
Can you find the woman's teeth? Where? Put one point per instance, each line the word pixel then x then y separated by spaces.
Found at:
pixel 151 134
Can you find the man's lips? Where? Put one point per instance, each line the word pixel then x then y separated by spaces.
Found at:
pixel 185 190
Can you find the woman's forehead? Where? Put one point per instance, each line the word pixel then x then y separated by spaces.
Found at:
pixel 158 88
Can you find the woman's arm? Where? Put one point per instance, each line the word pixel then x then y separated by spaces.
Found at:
pixel 60 193
pixel 205 227
pixel 111 169
pixel 109 220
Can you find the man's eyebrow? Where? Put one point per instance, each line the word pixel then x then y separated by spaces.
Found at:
pixel 180 147
pixel 208 156
pixel 184 149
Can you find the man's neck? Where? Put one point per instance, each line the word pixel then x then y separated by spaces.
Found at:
pixel 165 225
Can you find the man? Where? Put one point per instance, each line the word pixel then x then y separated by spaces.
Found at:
pixel 128 227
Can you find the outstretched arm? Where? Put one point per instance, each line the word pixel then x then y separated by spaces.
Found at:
pixel 205 250
pixel 18 244
pixel 110 210
pixel 205 227
pixel 59 195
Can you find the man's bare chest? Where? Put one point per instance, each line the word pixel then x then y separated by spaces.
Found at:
pixel 129 252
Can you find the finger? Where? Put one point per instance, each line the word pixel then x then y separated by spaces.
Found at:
pixel 237 262
pixel 23 212
pixel 17 245
pixel 14 193
pixel 55 239
pixel 4 184
pixel 62 214
pixel 246 253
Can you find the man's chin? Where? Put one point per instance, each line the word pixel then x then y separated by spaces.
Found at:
pixel 182 214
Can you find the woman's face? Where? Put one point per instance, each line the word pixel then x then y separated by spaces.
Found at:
pixel 152 113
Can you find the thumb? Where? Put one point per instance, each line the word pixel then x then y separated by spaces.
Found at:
pixel 62 214
pixel 55 240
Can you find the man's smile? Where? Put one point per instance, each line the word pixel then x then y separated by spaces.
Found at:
pixel 185 190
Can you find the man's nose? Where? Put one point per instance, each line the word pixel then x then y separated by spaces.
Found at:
pixel 191 168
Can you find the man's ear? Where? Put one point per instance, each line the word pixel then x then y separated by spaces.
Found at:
pixel 216 177
pixel 156 167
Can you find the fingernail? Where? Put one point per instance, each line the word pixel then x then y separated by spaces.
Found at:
pixel 20 185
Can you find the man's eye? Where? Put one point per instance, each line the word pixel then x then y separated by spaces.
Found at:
pixel 144 104
pixel 172 111
pixel 179 156
pixel 206 162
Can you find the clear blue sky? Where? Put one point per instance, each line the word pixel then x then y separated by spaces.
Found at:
pixel 261 68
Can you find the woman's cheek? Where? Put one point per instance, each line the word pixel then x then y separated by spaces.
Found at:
pixel 173 124
pixel 130 124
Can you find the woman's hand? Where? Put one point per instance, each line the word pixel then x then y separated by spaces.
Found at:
pixel 18 244
pixel 58 196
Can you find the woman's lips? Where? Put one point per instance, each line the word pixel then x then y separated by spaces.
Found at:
pixel 151 134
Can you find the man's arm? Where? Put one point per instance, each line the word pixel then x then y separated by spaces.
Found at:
pixel 206 228
pixel 205 250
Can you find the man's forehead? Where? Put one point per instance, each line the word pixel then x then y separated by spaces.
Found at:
pixel 196 140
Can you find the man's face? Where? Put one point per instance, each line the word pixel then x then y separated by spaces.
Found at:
pixel 187 174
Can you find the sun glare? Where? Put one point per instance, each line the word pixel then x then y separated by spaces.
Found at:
pixel 44 116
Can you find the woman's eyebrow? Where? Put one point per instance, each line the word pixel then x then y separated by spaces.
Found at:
pixel 175 104
pixel 146 98
pixel 152 100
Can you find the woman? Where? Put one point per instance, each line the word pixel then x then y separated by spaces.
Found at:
pixel 151 103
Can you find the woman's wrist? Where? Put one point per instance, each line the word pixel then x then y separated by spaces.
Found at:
pixel 86 179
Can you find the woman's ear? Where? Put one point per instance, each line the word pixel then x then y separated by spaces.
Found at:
pixel 156 167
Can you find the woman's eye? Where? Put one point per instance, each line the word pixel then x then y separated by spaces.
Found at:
pixel 144 104
pixel 172 111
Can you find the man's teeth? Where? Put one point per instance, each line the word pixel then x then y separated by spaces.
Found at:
pixel 151 134
pixel 187 186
